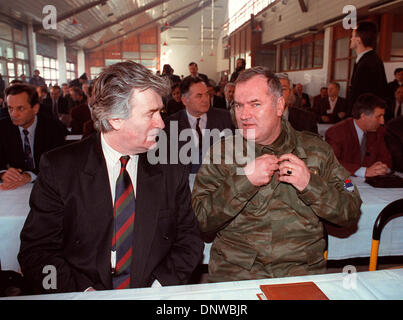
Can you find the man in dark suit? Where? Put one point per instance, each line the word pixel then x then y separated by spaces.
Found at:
pixel 369 72
pixel 229 91
pixel 395 108
pixel 300 119
pixel 194 73
pixel 301 98
pixel 102 215
pixel 396 83
pixel 60 105
pixel 81 113
pixel 333 108
pixel 322 95
pixel 197 116
pixel 25 136
pixel 240 66
pixel 215 100
pixel 358 142
pixel 394 142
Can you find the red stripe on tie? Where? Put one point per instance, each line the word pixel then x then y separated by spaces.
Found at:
pixel 123 197
pixel 124 259
pixel 125 284
pixel 123 229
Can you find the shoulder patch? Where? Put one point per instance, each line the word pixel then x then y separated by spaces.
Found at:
pixel 348 185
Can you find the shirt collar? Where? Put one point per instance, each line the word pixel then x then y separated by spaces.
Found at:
pixel 361 54
pixel 111 155
pixel 193 120
pixel 360 132
pixel 30 129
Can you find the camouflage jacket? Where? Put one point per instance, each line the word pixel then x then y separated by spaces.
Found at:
pixel 273 230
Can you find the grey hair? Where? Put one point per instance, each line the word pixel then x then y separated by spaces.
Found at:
pixel 284 76
pixel 115 86
pixel 229 84
pixel 273 82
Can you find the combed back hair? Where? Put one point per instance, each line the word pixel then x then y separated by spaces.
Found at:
pixel 273 82
pixel 367 31
pixel 114 87
pixel 397 70
pixel 187 83
pixel 18 88
pixel 193 64
pixel 366 103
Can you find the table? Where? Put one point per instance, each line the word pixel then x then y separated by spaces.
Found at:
pixel 322 128
pixel 14 208
pixel 374 285
pixel 343 243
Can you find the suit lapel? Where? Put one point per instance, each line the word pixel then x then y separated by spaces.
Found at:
pixel 94 182
pixel 149 190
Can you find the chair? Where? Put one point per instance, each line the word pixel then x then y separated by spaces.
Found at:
pixel 392 210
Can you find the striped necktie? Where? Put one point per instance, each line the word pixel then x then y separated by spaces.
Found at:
pixel 123 213
pixel 29 161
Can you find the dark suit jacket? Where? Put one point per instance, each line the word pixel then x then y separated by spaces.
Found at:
pixel 392 87
pixel 71 221
pixel 390 110
pixel 368 77
pixel 394 142
pixel 216 119
pixel 344 140
pixel 302 120
pixel 298 101
pixel 79 115
pixel 49 134
pixel 323 105
pixel 219 102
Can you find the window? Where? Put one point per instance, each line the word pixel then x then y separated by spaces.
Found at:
pixel 48 68
pixel 70 71
pixel 302 54
pixel 343 58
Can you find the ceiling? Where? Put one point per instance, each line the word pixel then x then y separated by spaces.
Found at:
pixel 88 24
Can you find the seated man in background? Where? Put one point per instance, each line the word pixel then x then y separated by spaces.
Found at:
pixel 81 113
pixel 175 103
pixel 25 136
pixel 299 119
pixel 358 142
pixel 394 142
pixel 301 98
pixel 320 96
pixel 267 213
pixel 333 108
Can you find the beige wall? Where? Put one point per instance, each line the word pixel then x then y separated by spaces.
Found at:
pixel 294 20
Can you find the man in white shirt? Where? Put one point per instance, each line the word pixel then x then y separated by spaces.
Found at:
pixel 102 214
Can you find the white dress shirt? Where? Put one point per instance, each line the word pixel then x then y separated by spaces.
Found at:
pixel 113 165
pixel 193 122
pixel 361 54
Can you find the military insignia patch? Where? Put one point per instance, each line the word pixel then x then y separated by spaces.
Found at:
pixel 348 185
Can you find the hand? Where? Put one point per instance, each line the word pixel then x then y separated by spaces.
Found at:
pixel 260 171
pixel 341 115
pixel 325 119
pixel 377 169
pixel 300 174
pixel 12 175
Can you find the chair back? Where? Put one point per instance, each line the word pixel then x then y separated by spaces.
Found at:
pixel 392 210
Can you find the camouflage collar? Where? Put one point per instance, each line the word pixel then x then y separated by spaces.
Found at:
pixel 285 143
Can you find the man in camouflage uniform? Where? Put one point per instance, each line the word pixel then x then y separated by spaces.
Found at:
pixel 268 219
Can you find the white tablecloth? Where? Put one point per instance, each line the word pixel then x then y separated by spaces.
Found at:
pixel 322 128
pixel 343 243
pixel 14 208
pixel 375 285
